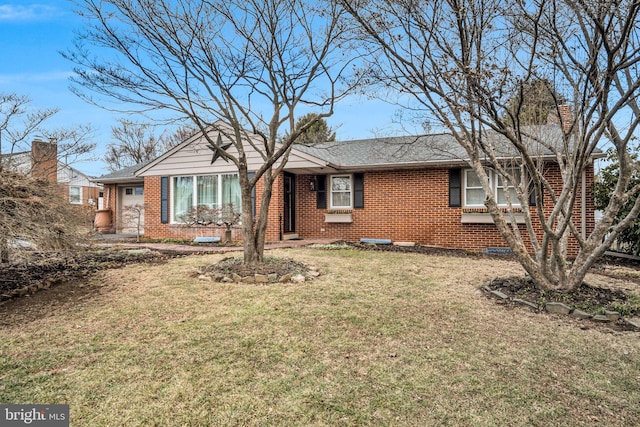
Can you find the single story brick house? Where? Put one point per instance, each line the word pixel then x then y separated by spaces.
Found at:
pixel 405 189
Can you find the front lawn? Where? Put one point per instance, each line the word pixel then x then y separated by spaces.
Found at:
pixel 378 339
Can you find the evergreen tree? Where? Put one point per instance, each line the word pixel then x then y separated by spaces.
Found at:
pixel 604 187
pixel 532 105
pixel 317 132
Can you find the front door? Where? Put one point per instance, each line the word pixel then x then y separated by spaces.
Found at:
pixel 289 214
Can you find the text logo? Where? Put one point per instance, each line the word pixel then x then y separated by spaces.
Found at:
pixel 34 415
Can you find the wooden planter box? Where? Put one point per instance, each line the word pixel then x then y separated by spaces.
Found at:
pixel 340 218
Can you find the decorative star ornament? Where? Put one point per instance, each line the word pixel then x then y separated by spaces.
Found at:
pixel 217 150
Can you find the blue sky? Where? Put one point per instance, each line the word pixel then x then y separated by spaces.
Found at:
pixel 32 33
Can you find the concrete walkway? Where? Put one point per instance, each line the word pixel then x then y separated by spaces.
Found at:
pixel 129 242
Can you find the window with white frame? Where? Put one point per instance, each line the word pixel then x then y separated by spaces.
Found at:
pixel 212 191
pixel 474 194
pixel 507 188
pixel 341 194
pixel 75 195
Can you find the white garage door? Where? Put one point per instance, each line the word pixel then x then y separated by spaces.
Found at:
pixel 130 213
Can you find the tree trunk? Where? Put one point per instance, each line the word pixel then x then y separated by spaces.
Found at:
pixel 254 235
pixel 4 250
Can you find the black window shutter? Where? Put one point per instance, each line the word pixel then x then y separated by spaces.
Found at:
pixel 164 199
pixel 455 188
pixel 358 190
pixel 532 194
pixel 321 191
pixel 250 175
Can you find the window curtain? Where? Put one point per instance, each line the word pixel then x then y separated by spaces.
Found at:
pixel 231 191
pixel 503 187
pixel 208 191
pixel 341 191
pixel 474 194
pixel 182 196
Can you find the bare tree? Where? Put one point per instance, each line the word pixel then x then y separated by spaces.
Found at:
pixel 461 62
pixel 250 64
pixel 136 142
pixel 134 213
pixel 20 123
pixel 30 211
pixel 228 217
pixel 34 216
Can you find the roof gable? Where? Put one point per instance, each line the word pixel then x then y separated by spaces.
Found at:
pixel 196 156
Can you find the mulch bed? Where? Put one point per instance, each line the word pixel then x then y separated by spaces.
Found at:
pixel 585 297
pixel 418 249
pixel 54 267
pixel 279 266
pixel 592 300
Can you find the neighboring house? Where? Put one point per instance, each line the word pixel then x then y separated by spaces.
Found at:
pixel 77 187
pixel 406 189
pixel 42 162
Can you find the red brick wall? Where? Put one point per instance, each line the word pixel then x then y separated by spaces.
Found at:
pixel 87 193
pixel 110 196
pixel 44 160
pixel 413 205
pixel 275 207
pixel 410 205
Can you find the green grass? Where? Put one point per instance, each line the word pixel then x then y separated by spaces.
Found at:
pixel 378 339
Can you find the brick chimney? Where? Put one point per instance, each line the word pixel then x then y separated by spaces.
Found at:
pixel 565 118
pixel 44 160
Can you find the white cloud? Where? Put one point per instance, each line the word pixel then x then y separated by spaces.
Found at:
pixel 16 13
pixel 35 77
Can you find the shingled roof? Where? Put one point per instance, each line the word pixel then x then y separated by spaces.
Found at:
pixel 389 151
pixel 386 153
pixel 126 174
pixel 408 151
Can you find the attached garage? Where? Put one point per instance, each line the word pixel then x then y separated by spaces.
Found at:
pixel 129 213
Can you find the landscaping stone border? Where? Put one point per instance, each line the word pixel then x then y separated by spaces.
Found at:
pixel 563 309
pixel 311 273
pixel 27 290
